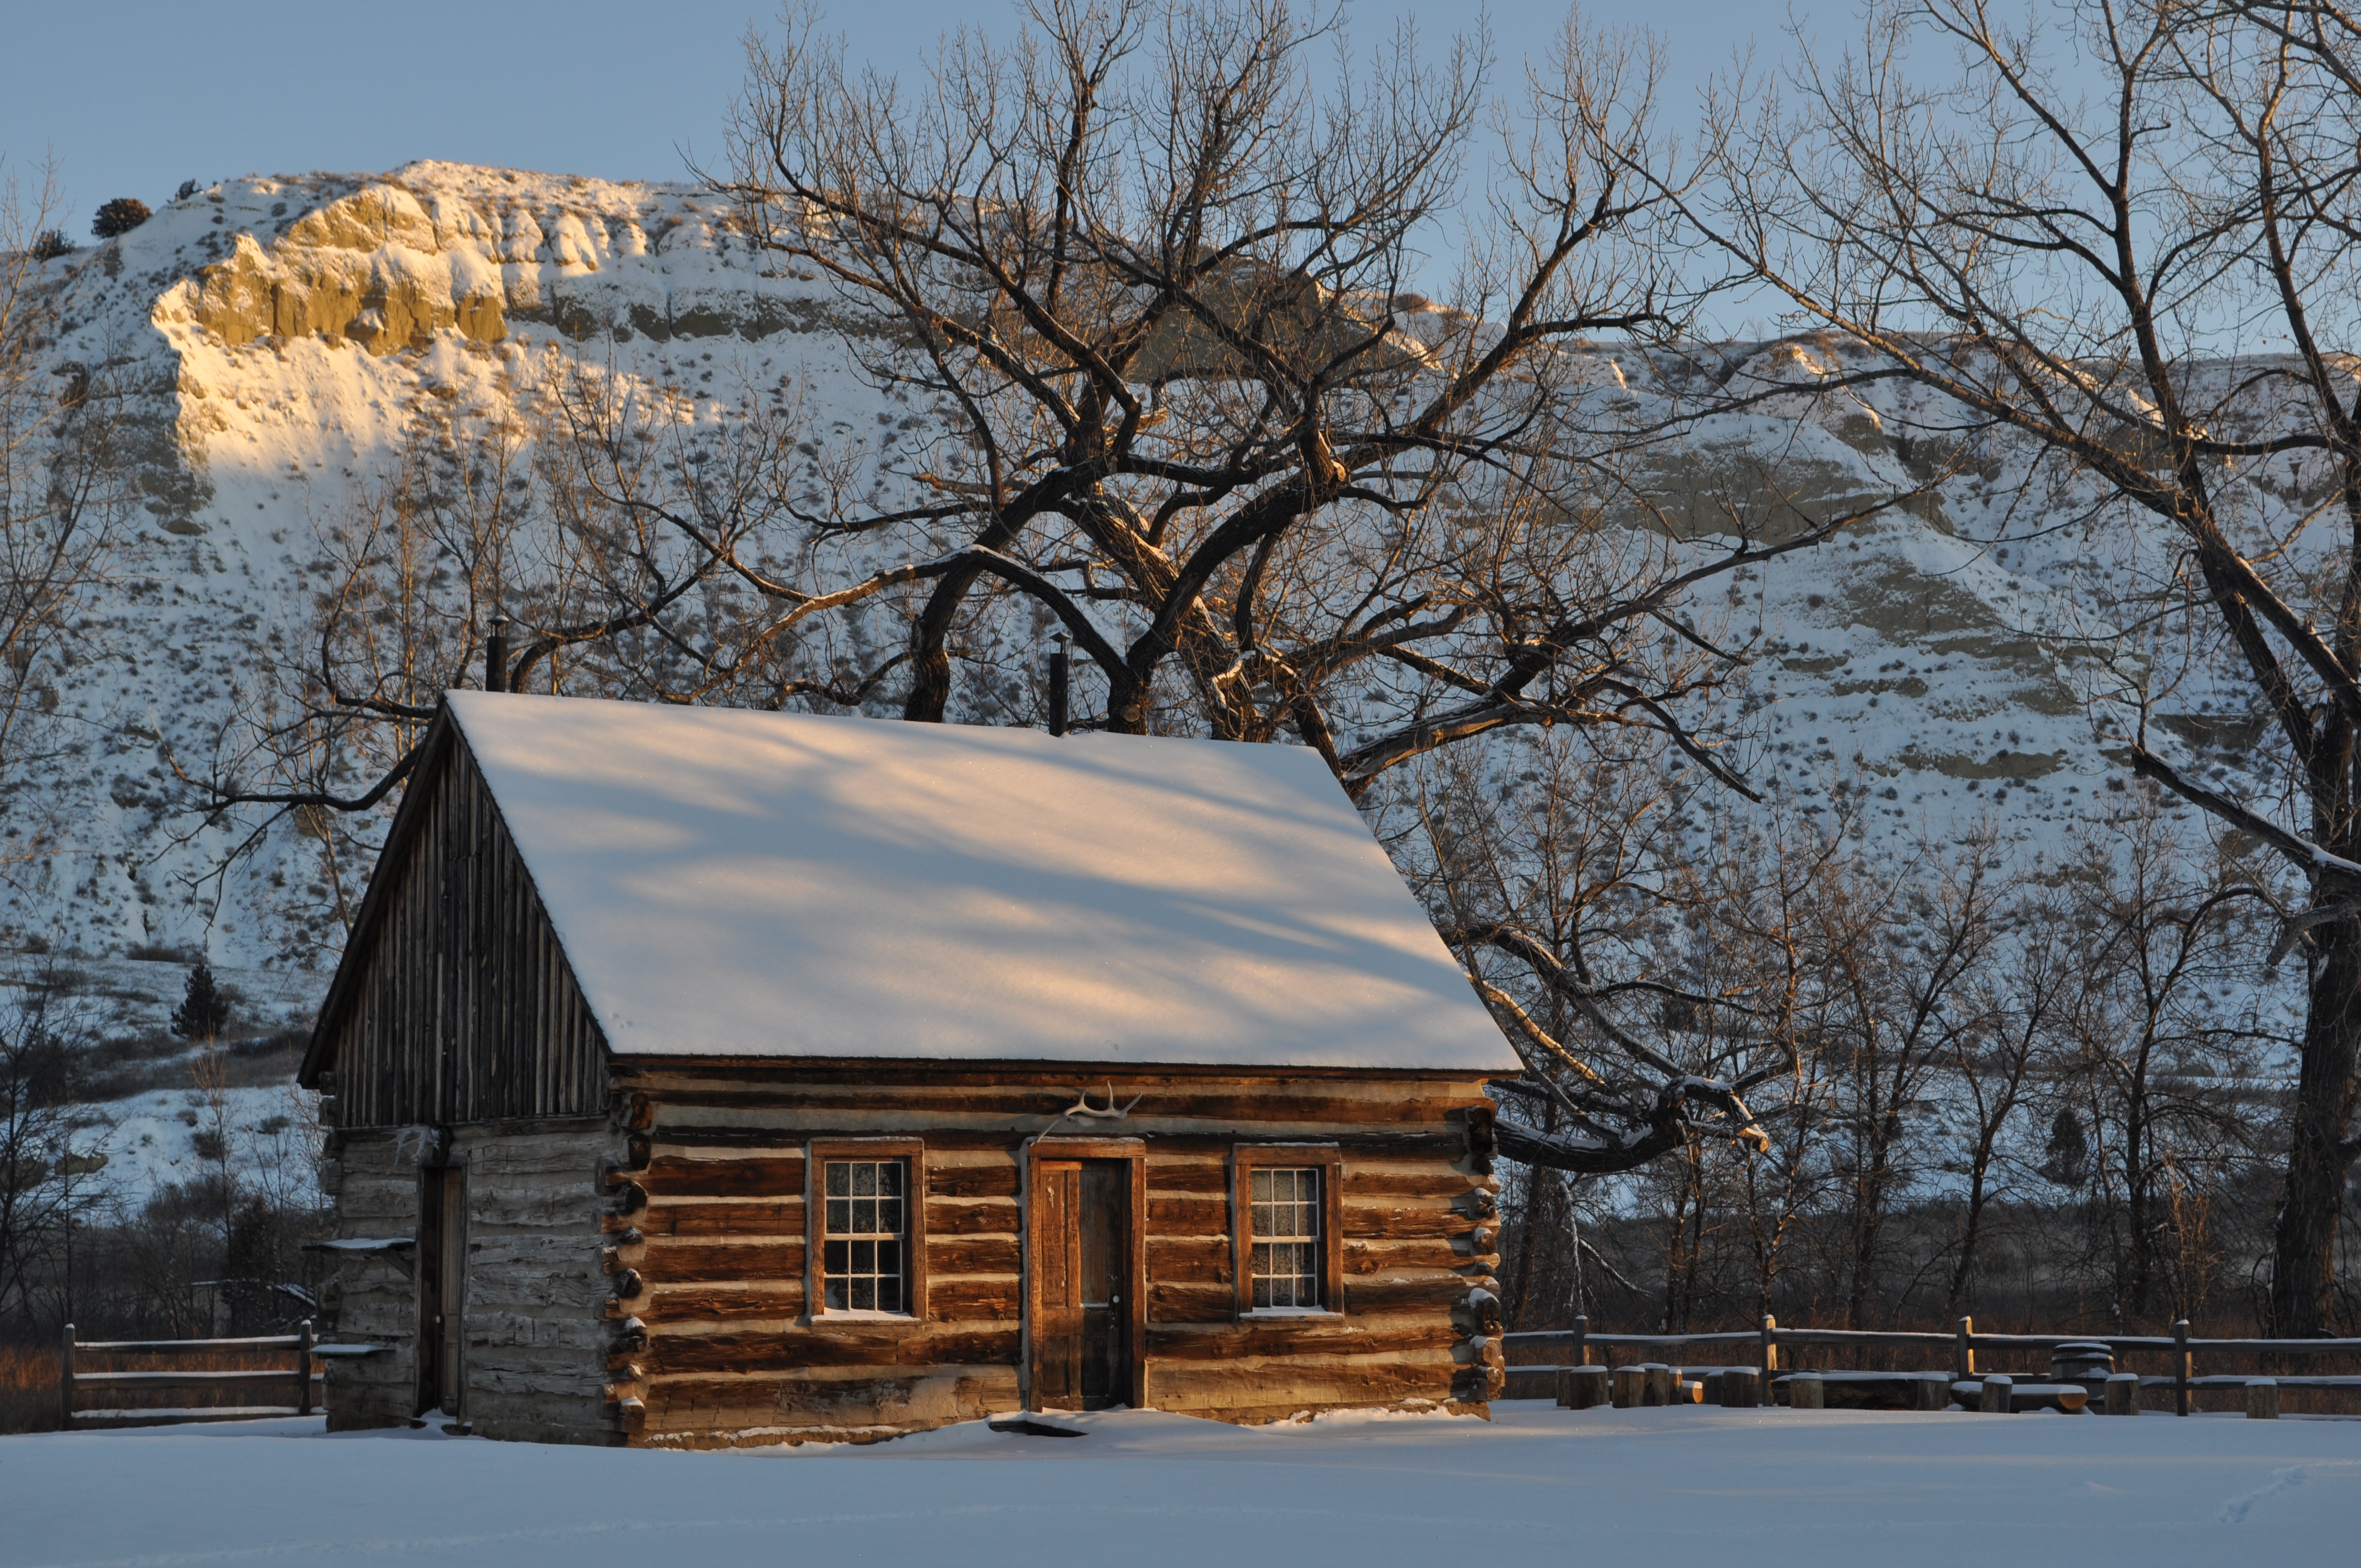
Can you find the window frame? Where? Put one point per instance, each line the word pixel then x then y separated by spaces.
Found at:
pixel 816 1154
pixel 1244 1159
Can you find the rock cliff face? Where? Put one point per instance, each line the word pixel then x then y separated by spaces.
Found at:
pixel 275 339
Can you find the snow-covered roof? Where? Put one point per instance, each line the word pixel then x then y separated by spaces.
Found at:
pixel 728 882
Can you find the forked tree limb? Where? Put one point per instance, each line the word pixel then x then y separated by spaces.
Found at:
pixel 2316 862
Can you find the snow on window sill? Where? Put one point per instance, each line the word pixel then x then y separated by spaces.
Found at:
pixel 860 1315
pixel 1290 1312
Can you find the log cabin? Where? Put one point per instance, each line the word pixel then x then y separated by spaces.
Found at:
pixel 702 1077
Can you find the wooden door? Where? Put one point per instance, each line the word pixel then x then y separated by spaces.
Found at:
pixel 1081 1229
pixel 442 1255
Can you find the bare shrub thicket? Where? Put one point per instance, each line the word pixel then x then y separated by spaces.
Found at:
pixel 2042 1094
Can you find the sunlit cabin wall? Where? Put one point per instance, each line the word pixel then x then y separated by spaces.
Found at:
pixel 712 1224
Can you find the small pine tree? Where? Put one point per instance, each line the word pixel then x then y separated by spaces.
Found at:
pixel 50 244
pixel 2067 1156
pixel 187 189
pixel 203 1012
pixel 119 216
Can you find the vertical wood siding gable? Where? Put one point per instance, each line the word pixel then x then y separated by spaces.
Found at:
pixel 466 1010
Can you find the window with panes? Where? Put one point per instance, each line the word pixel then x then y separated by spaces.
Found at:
pixel 865 1253
pixel 1284 1236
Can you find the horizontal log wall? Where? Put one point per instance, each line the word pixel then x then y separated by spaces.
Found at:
pixel 535 1331
pixel 715 1248
pixel 464 1008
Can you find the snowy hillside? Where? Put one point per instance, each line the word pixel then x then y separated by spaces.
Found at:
pixel 280 334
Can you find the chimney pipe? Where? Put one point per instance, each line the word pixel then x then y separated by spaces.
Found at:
pixel 496 656
pixel 1058 687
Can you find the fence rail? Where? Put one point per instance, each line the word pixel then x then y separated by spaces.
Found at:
pixel 1963 1341
pixel 296 1379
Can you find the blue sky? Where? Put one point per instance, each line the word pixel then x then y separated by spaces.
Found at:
pixel 133 96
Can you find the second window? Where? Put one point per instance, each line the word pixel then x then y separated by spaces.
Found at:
pixel 865 1245
pixel 1286 1256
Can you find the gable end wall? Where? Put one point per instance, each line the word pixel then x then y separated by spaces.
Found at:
pixel 465 1009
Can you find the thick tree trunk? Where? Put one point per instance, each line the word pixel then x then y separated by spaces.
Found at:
pixel 2138 1289
pixel 1970 1227
pixel 2303 1259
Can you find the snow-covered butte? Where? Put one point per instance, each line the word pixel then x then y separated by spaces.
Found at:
pixel 277 337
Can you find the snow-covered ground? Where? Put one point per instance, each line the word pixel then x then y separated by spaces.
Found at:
pixel 1537 1486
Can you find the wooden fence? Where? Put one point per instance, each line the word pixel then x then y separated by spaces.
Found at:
pixel 295 1380
pixel 1964 1344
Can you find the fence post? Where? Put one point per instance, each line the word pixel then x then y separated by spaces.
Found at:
pixel 1582 1387
pixel 304 1369
pixel 1770 1348
pixel 2262 1400
pixel 65 1380
pixel 1963 1358
pixel 2180 1365
pixel 1581 1340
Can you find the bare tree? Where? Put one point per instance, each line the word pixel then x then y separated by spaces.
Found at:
pixel 2086 273
pixel 2024 1001
pixel 61 491
pixel 1904 969
pixel 2157 1077
pixel 1145 290
pixel 1156 288
pixel 1559 870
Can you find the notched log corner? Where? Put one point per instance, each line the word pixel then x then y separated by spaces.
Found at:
pixel 1478 1311
pixel 637 1148
pixel 1482 1143
pixel 1479 1204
